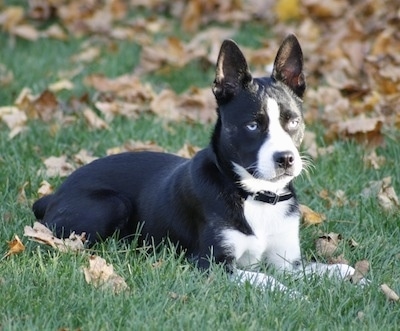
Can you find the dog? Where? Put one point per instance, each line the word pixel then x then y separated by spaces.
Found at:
pixel 233 203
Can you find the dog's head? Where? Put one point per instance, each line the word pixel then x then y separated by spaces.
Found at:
pixel 260 123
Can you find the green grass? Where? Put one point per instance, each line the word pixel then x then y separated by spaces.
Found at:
pixel 42 289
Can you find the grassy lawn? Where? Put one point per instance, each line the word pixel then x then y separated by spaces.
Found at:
pixel 43 289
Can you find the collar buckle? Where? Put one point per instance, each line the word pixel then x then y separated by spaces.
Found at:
pixel 270 197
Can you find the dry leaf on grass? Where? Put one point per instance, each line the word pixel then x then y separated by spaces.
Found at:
pixel 102 275
pixel 84 157
pixel 361 270
pixel 188 151
pixel 43 235
pixel 327 244
pixel 136 146
pixel 373 160
pixel 14 118
pixel 45 189
pixel 390 294
pixel 310 217
pixel 94 121
pixel 384 192
pixel 15 246
pixel 58 166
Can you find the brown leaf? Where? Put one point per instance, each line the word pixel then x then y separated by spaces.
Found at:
pixel 374 160
pixel 58 166
pixel 287 10
pixel 102 275
pixel 11 16
pixel 311 217
pixel 390 294
pixel 362 129
pixel 84 157
pixel 188 151
pixel 26 31
pixel 94 121
pixel 136 146
pixel 327 244
pixel 45 189
pixel 43 235
pixel 15 246
pixel 384 191
pixel 87 55
pixel 60 85
pixel 14 118
pixel 194 105
pixel 21 198
pixel 361 270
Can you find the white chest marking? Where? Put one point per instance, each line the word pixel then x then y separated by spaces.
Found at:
pixel 275 239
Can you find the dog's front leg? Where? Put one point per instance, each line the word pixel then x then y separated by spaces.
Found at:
pixel 340 271
pixel 262 281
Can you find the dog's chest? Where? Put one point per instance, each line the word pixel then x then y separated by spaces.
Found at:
pixel 274 238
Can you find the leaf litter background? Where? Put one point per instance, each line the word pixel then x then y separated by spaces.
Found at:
pixel 352 61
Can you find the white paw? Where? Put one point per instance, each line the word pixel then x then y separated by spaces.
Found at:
pixel 340 271
pixel 263 281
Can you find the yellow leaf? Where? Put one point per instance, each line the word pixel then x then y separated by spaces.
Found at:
pixel 63 84
pixel 287 10
pixel 15 247
pixel 311 217
pixel 390 294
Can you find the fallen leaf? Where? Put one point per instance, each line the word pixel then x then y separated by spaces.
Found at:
pixel 94 121
pixel 58 166
pixel 84 157
pixel 287 10
pixel 87 55
pixel 390 294
pixel 26 31
pixel 310 217
pixel 136 146
pixel 327 244
pixel 175 296
pixel 15 246
pixel 14 118
pixel 188 151
pixel 45 189
pixel 101 275
pixel 41 234
pixel 384 192
pixel 21 197
pixel 361 270
pixel 63 84
pixel 373 160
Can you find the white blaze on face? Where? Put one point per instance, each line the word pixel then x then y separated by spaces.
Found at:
pixel 278 140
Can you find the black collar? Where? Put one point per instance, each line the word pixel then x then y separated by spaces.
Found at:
pixel 271 198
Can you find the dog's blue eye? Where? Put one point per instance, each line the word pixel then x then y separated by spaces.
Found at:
pixel 252 126
pixel 292 124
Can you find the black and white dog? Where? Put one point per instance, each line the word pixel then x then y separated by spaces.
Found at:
pixel 233 203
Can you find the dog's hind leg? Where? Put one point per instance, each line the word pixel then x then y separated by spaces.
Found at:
pixel 100 215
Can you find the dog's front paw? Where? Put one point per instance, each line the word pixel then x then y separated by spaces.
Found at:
pixel 339 270
pixel 265 282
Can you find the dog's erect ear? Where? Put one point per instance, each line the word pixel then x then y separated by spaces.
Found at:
pixel 288 66
pixel 232 71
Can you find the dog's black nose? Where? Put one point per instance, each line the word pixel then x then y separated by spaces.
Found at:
pixel 284 159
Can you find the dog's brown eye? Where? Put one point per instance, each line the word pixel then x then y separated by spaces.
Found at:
pixel 252 126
